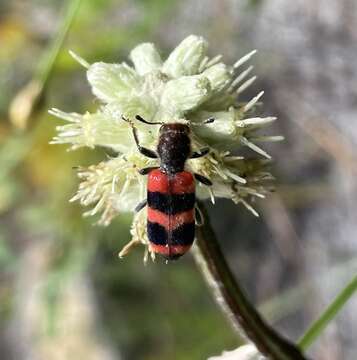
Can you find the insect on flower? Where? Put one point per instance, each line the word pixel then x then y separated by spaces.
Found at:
pixel 179 93
pixel 171 207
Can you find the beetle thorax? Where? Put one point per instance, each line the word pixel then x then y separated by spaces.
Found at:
pixel 174 147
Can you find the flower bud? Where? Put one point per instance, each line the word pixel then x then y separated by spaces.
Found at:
pixel 218 75
pixel 186 57
pixel 111 82
pixel 185 93
pixel 145 58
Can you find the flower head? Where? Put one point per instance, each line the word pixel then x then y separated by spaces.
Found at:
pixel 187 87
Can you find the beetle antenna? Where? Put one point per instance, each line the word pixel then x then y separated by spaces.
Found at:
pixel 138 117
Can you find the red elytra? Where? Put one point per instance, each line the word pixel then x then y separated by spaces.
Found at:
pixel 167 250
pixel 170 222
pixel 181 183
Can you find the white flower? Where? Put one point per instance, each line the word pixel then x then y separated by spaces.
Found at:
pixel 245 352
pixel 188 87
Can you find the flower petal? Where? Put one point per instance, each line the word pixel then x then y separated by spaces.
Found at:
pixel 186 57
pixel 97 129
pixel 145 58
pixel 223 129
pixel 111 82
pixel 185 93
pixel 218 75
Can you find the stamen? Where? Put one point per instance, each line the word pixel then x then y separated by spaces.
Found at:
pixel 254 147
pixel 239 78
pixel 249 207
pixel 252 102
pixel 246 84
pixel 214 61
pixel 244 59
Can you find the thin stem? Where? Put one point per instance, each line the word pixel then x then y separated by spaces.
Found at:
pixel 49 58
pixel 230 297
pixel 30 98
pixel 320 324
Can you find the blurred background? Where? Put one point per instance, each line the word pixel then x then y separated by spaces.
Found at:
pixel 64 294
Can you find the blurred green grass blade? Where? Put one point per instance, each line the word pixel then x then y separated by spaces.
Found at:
pixel 29 98
pixel 328 315
pixel 47 63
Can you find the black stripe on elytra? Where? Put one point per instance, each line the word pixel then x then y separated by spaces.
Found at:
pixel 156 233
pixel 183 235
pixel 170 204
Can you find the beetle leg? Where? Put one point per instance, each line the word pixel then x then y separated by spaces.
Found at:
pixel 141 205
pixel 198 154
pixel 202 179
pixel 146 170
pixel 199 220
pixel 143 150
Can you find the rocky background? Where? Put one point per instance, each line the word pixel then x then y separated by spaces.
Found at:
pixel 65 294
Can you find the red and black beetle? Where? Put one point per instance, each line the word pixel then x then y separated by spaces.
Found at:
pixel 170 190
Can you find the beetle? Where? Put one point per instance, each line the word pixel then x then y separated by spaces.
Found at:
pixel 171 202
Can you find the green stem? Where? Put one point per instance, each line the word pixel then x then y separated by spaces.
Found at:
pixel 231 298
pixel 30 98
pixel 49 58
pixel 320 324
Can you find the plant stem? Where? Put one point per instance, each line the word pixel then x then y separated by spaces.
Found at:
pixel 49 58
pixel 30 98
pixel 320 324
pixel 230 297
